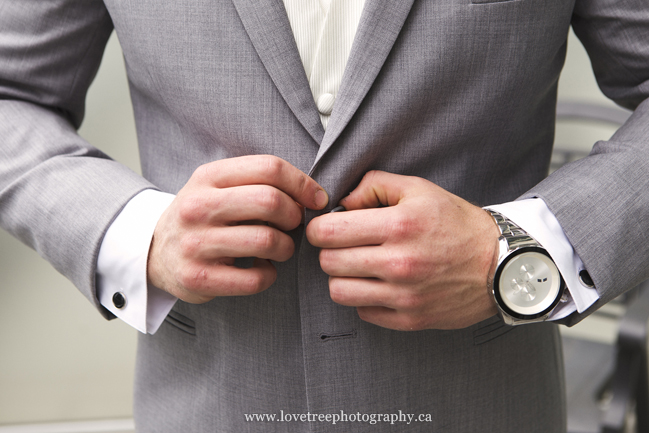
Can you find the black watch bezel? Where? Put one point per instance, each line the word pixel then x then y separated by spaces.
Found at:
pixel 496 291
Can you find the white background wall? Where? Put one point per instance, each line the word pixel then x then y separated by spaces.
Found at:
pixel 59 360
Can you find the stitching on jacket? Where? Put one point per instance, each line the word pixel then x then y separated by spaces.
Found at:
pixel 490 332
pixel 181 322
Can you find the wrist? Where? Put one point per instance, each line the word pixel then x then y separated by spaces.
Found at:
pixel 494 259
pixel 492 239
pixel 488 244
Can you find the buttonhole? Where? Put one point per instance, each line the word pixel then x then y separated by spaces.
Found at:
pixel 338 335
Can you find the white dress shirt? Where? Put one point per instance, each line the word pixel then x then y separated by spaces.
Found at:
pixel 324 31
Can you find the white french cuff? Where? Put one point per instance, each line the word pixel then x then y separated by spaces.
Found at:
pixel 534 216
pixel 122 264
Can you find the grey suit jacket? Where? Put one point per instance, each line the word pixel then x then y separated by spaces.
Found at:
pixel 459 92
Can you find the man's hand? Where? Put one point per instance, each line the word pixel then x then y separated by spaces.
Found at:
pixel 420 263
pixel 219 215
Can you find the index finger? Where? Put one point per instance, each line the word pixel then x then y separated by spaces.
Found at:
pixel 264 170
pixel 354 228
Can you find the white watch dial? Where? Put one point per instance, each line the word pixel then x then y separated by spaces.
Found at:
pixel 529 283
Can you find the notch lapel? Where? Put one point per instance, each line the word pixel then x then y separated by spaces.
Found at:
pixel 378 29
pixel 269 30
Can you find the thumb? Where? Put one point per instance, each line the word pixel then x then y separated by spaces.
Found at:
pixel 378 188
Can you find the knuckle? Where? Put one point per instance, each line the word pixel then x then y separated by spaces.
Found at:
pixel 302 182
pixel 336 293
pixel 272 166
pixel 293 218
pixel 265 239
pixel 402 267
pixel 191 209
pixel 254 282
pixel 370 175
pixel 326 260
pixel 409 302
pixel 193 278
pixel 401 225
pixel 271 200
pixel 204 172
pixel 190 245
pixel 286 252
pixel 325 231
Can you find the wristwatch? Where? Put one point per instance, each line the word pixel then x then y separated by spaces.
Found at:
pixel 527 284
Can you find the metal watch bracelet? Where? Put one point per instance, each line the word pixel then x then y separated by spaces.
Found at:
pixel 513 234
pixel 512 239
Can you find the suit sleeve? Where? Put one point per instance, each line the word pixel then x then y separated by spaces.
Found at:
pixel 58 194
pixel 602 201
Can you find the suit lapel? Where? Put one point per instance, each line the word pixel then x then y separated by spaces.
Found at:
pixel 267 25
pixel 378 29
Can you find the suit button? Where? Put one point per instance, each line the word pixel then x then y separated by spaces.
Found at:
pixel 119 300
pixel 325 103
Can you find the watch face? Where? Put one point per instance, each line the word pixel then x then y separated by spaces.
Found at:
pixel 529 283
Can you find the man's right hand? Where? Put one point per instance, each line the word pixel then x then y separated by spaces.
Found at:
pixel 219 215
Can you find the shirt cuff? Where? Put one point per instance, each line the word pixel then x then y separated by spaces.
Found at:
pixel 534 216
pixel 122 263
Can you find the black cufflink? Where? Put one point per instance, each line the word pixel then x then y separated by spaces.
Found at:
pixel 119 300
pixel 585 279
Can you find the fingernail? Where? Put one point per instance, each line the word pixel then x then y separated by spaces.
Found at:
pixel 321 198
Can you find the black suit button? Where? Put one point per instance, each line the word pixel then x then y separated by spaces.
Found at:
pixel 119 300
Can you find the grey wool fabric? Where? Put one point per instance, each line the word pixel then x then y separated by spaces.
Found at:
pixel 459 92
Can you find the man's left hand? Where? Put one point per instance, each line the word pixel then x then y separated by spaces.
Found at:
pixel 420 262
